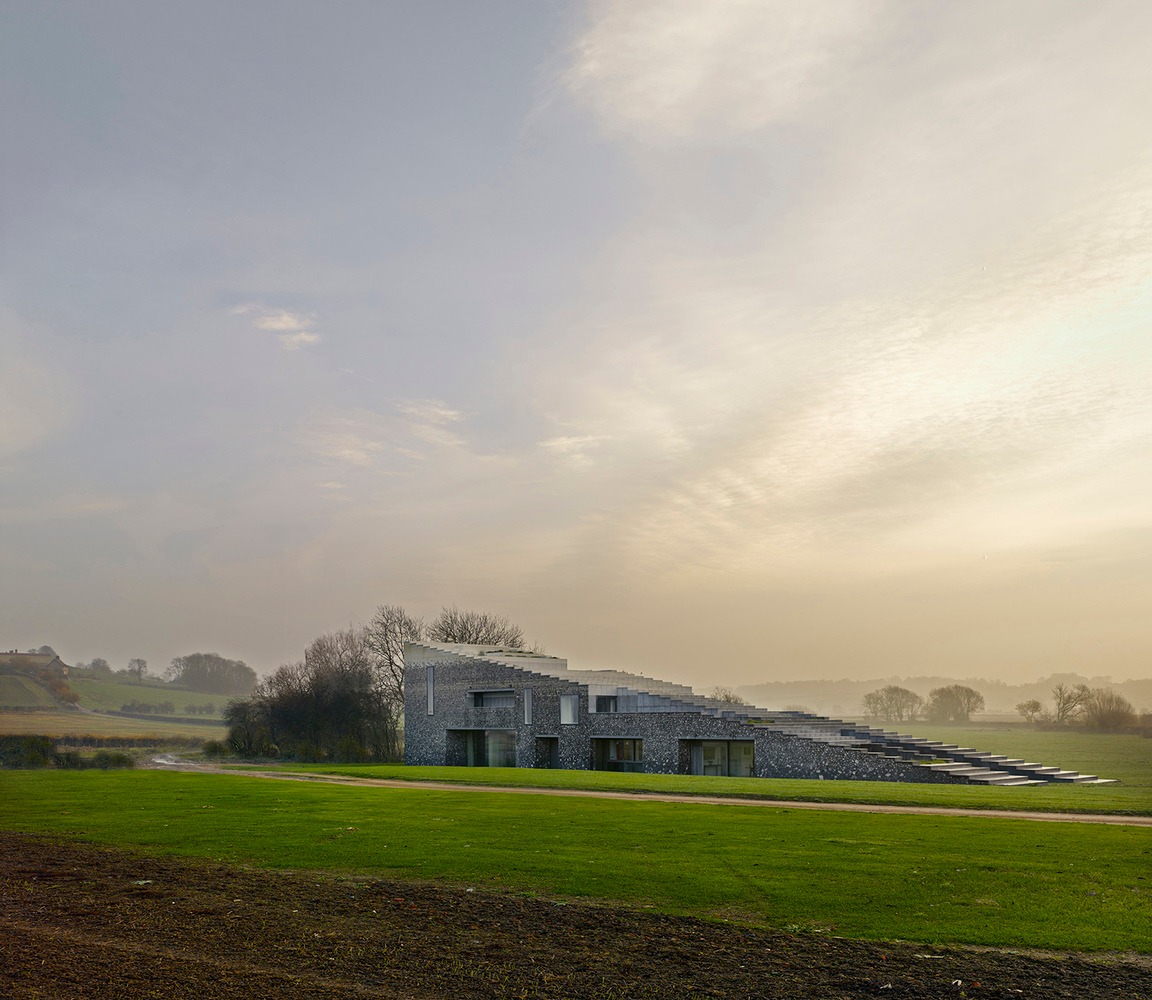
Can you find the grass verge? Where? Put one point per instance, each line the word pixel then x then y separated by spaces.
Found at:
pixel 989 881
pixel 1126 799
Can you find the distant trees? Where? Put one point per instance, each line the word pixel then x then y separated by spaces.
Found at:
pixel 954 703
pixel 345 700
pixel 726 694
pixel 1068 702
pixel 1097 708
pixel 137 668
pixel 893 704
pixel 1107 709
pixel 211 673
pixel 331 706
pixel 148 708
pixel 1030 710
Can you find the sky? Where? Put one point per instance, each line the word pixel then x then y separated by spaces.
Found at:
pixel 729 342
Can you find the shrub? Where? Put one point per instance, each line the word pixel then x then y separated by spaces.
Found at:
pixel 1106 709
pixel 27 751
pixel 110 759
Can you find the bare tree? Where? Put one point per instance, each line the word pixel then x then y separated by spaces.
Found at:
pixel 137 668
pixel 726 694
pixel 893 704
pixel 1068 702
pixel 386 634
pixel 954 703
pixel 453 625
pixel 1107 709
pixel 1030 709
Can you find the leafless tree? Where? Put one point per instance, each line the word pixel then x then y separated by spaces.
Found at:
pixel 726 694
pixel 1030 710
pixel 137 668
pixel 893 704
pixel 1107 709
pixel 1068 702
pixel 954 703
pixel 453 625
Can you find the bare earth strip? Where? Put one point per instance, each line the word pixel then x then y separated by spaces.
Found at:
pixel 84 922
pixel 445 786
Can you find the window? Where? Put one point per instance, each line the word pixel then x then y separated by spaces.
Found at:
pixel 487 747
pixel 569 709
pixel 500 749
pixel 605 703
pixel 493 699
pixel 430 684
pixel 618 755
pixel 527 706
pixel 733 758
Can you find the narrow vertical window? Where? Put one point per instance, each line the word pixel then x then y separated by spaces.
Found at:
pixel 430 683
pixel 569 709
pixel 527 706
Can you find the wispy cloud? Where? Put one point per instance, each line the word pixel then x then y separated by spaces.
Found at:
pixel 429 421
pixel 294 329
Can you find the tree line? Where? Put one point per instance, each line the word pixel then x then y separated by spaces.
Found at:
pixel 344 701
pixel 1095 708
pixel 952 703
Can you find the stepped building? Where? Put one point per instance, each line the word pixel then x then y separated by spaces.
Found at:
pixel 470 705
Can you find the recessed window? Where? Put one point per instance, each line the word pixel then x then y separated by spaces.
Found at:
pixel 606 703
pixel 569 709
pixel 527 706
pixel 493 699
pixel 430 684
pixel 618 755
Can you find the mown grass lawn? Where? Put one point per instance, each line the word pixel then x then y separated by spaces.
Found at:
pixel 934 879
pixel 1127 758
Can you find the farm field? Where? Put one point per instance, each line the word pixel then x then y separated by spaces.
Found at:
pixel 982 881
pixel 1126 758
pixel 110 695
pixel 63 723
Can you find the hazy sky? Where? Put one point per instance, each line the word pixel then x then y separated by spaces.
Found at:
pixel 727 341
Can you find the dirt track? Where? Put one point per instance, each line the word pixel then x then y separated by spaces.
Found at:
pixel 79 922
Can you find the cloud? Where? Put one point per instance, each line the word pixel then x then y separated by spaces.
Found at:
pixel 294 329
pixel 301 338
pixel 429 421
pixel 937 314
pixel 659 68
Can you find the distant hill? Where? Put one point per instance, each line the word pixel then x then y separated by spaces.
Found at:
pixel 843 697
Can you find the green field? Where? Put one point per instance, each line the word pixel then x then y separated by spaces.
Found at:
pixel 1127 758
pixel 21 692
pixel 110 695
pixel 990 881
pixel 63 723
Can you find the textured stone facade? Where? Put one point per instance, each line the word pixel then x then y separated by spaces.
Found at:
pixel 453 726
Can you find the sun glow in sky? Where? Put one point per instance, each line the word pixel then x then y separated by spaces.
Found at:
pixel 730 342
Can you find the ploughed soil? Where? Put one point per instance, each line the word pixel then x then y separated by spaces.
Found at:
pixel 80 921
